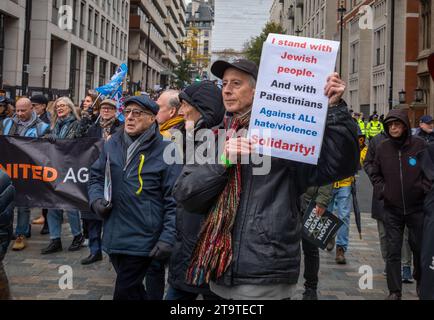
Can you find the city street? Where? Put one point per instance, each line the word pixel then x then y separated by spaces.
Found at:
pixel 34 276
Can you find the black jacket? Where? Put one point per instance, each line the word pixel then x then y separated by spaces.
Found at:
pixel 428 137
pixel 207 98
pixel 267 230
pixel 427 252
pixel 397 172
pixel 46 117
pixel 7 195
pixel 377 210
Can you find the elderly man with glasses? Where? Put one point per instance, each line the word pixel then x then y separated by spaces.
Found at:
pixel 139 222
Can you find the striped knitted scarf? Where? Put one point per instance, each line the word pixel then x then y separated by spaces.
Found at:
pixel 213 253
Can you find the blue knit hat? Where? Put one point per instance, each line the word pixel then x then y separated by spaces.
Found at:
pixel 145 102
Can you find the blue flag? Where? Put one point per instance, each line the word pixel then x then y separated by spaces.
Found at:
pixel 115 82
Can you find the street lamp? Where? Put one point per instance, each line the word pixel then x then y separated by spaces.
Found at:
pixel 402 96
pixel 418 95
pixel 298 31
pixel 147 54
pixel 341 11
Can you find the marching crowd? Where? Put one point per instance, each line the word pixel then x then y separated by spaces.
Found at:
pixel 222 231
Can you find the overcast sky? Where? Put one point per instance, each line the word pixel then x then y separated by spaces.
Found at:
pixel 237 21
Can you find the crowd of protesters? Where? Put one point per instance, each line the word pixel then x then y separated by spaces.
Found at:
pixel 222 231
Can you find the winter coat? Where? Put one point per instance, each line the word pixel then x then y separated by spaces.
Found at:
pixel 427 251
pixel 377 211
pixel 140 216
pixel 37 128
pixel 428 137
pixel 397 172
pixel 7 195
pixel 95 131
pixel 321 195
pixel 267 229
pixel 208 100
pixel 74 128
pixel 45 117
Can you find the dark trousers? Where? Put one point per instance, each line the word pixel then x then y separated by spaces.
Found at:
pixel 156 280
pixel 94 229
pixel 395 223
pixel 130 271
pixel 311 264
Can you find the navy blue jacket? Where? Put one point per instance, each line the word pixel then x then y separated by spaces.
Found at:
pixel 137 221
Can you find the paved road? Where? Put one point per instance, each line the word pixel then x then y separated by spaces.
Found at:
pixel 34 276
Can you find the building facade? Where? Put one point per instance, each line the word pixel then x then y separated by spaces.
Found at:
pixel 157 29
pixel 200 19
pixel 67 47
pixel 12 25
pixel 376 68
pixel 313 19
pixel 426 48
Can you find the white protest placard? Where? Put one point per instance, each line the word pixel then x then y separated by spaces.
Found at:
pixel 290 109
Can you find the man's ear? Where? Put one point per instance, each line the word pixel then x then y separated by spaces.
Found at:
pixel 173 112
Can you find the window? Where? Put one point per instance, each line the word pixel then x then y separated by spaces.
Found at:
pixel 90 71
pixel 55 11
pixel 95 28
pixel 107 39
pixel 101 46
pixel 354 57
pixel 113 41
pixel 90 25
pixel 426 24
pixel 82 23
pixel 74 73
pixel 75 18
pixel 102 71
pixel 117 43
pixel 206 47
pixel 380 44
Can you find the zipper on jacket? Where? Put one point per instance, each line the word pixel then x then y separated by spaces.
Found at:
pixel 248 192
pixel 402 180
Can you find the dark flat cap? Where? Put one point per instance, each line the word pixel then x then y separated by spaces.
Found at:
pixel 145 102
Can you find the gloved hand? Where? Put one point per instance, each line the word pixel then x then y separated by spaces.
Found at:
pixel 102 208
pixel 51 138
pixel 161 251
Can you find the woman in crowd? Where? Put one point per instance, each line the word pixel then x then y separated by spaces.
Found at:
pixel 65 125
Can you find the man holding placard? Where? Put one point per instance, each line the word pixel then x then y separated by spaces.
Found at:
pixel 250 244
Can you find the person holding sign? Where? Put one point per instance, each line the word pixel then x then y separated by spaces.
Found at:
pixel 249 247
pixel 322 197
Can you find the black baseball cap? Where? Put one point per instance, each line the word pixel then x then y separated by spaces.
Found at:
pixel 220 66
pixel 39 99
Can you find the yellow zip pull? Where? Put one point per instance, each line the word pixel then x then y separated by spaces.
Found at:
pixel 142 161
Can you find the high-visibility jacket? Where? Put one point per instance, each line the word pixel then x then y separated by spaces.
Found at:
pixel 374 128
pixel 362 126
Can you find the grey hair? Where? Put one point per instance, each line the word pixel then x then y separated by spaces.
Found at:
pixel 174 101
pixel 252 81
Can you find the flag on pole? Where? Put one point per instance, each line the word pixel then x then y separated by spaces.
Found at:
pixel 113 89
pixel 115 82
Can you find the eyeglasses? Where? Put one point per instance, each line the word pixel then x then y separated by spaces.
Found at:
pixel 108 108
pixel 135 113
pixel 61 106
